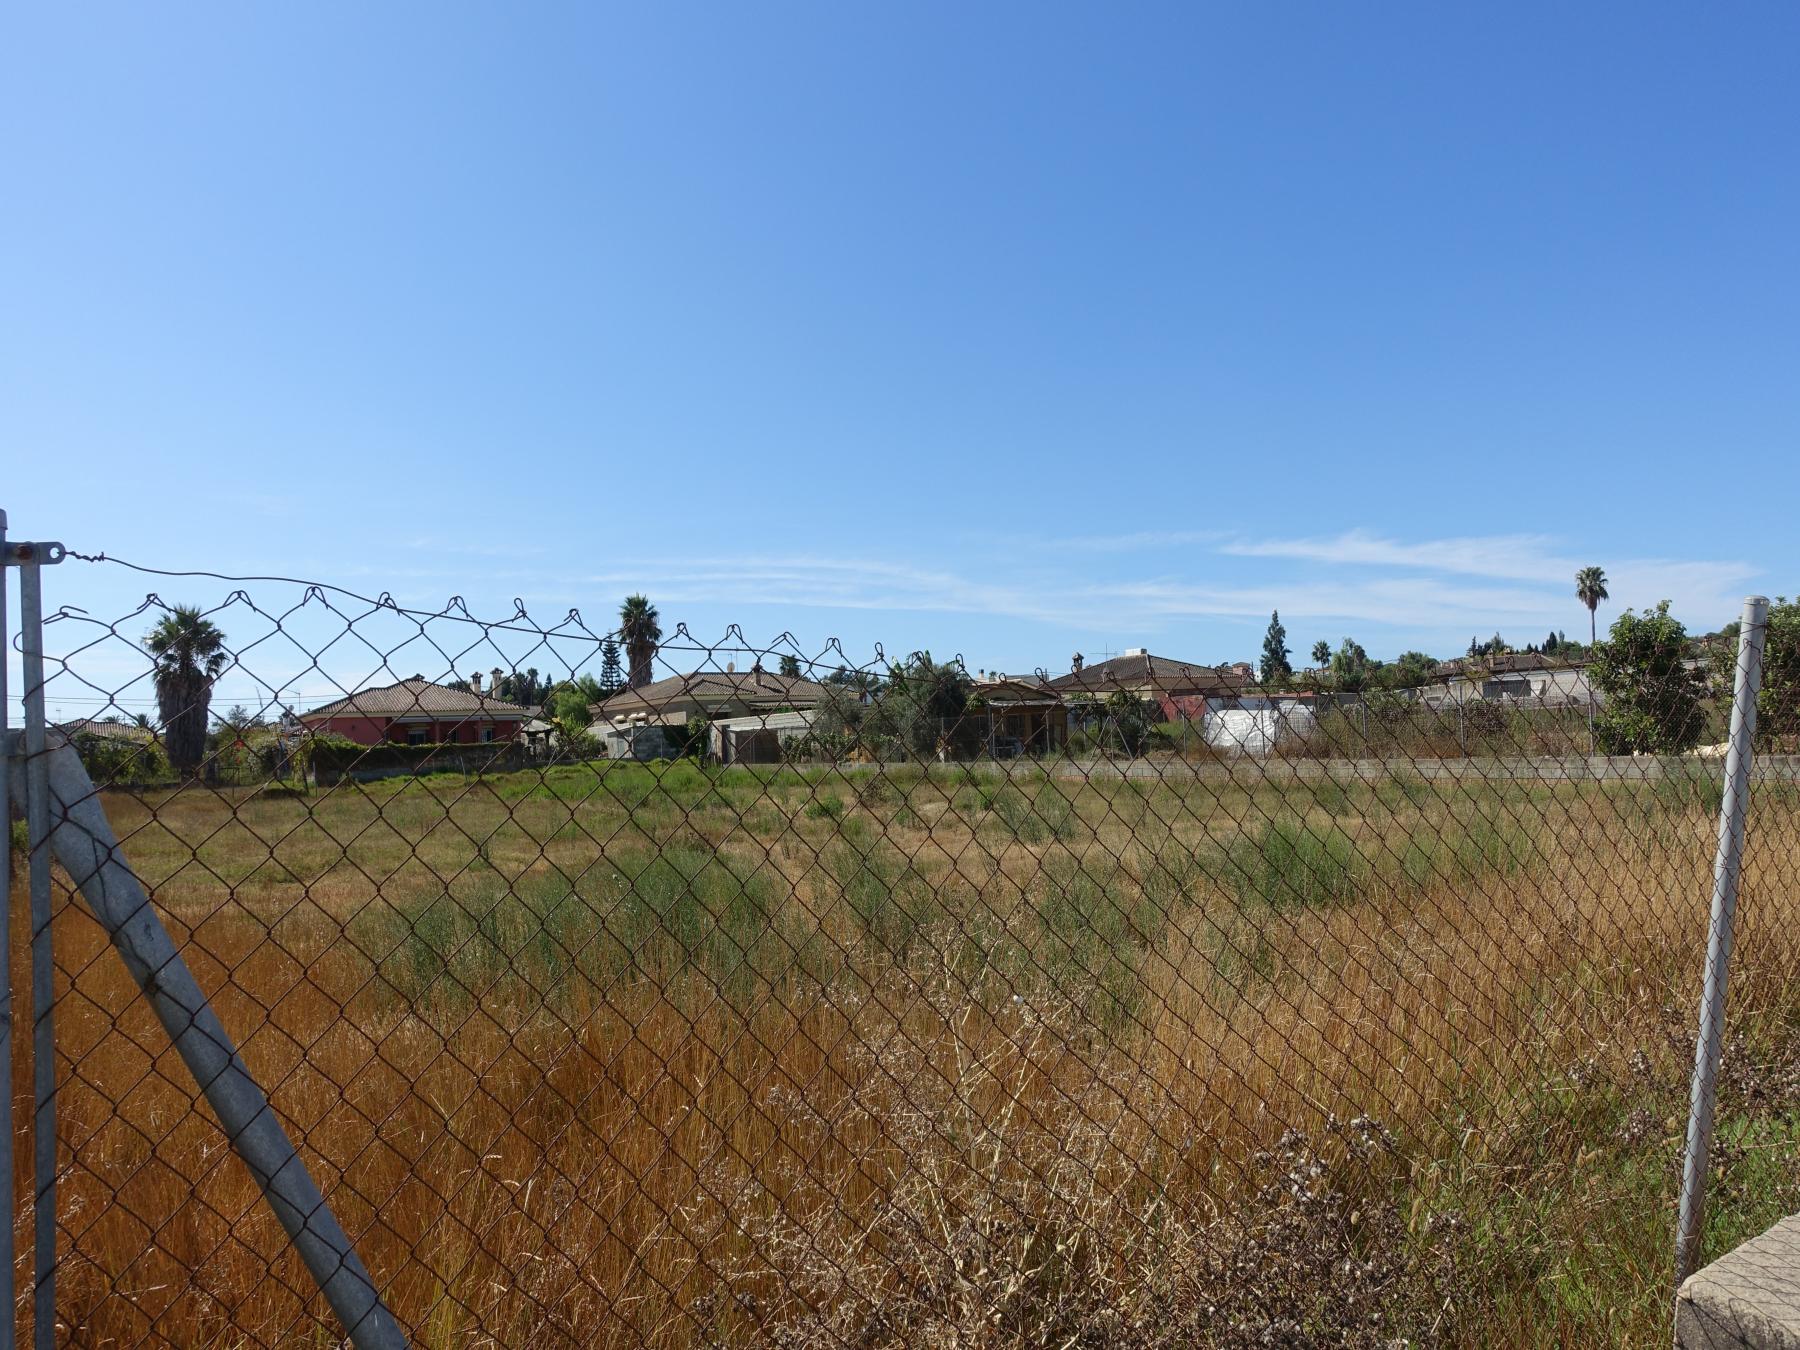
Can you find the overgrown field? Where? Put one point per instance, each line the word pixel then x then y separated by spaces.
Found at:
pixel 683 1056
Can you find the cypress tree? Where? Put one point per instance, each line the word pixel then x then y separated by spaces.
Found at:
pixel 1275 667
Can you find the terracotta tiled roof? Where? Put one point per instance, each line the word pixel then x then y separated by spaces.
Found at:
pixel 1016 691
pixel 100 726
pixel 757 688
pixel 1141 673
pixel 417 698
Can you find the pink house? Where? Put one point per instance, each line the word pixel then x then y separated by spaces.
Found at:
pixel 419 712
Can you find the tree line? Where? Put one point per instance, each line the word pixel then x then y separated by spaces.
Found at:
pixel 188 652
pixel 1652 687
pixel 1351 669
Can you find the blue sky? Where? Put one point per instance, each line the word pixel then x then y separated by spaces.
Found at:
pixel 1007 331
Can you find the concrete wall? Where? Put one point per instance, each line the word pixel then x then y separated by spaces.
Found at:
pixel 638 741
pixel 1551 688
pixel 745 739
pixel 1747 1298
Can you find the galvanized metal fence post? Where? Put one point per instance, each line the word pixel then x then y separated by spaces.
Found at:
pixel 1726 868
pixel 28 560
pixel 85 845
pixel 7 1327
pixel 64 818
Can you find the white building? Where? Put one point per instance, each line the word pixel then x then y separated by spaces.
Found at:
pixel 1526 678
pixel 1257 724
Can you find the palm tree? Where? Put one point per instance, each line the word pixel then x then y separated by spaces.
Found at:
pixel 641 632
pixel 1590 589
pixel 190 654
pixel 1321 653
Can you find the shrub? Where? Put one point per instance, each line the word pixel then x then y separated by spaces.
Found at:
pixel 1129 721
pixel 1778 702
pixel 828 807
pixel 1289 864
pixel 332 756
pixel 114 762
pixel 922 711
pixel 1652 702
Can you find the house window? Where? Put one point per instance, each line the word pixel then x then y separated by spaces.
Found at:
pixel 487 733
pixel 418 735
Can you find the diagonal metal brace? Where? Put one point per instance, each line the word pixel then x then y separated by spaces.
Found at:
pixel 82 840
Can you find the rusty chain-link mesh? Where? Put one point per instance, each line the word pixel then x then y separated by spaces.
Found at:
pixel 799 998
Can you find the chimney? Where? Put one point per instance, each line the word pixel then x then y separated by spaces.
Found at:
pixel 494 683
pixel 475 683
pixel 1075 664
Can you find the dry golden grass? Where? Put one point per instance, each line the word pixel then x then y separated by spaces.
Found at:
pixel 1086 1064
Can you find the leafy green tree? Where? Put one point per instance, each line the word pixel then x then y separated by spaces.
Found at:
pixel 790 665
pixel 863 682
pixel 1778 704
pixel 837 725
pixel 1778 701
pixel 521 687
pixel 1276 669
pixel 922 707
pixel 691 738
pixel 1321 653
pixel 1129 720
pixel 569 707
pixel 1350 666
pixel 190 655
pixel 1410 670
pixel 1590 589
pixel 1652 699
pixel 640 627
pixel 112 762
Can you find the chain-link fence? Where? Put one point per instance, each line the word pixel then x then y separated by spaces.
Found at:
pixel 619 987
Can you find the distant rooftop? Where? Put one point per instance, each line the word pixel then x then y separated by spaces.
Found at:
pixel 1142 672
pixel 418 697
pixel 754 687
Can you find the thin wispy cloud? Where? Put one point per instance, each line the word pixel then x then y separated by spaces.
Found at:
pixel 841 583
pixel 1359 579
pixel 1523 557
pixel 1516 557
pixel 1398 602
